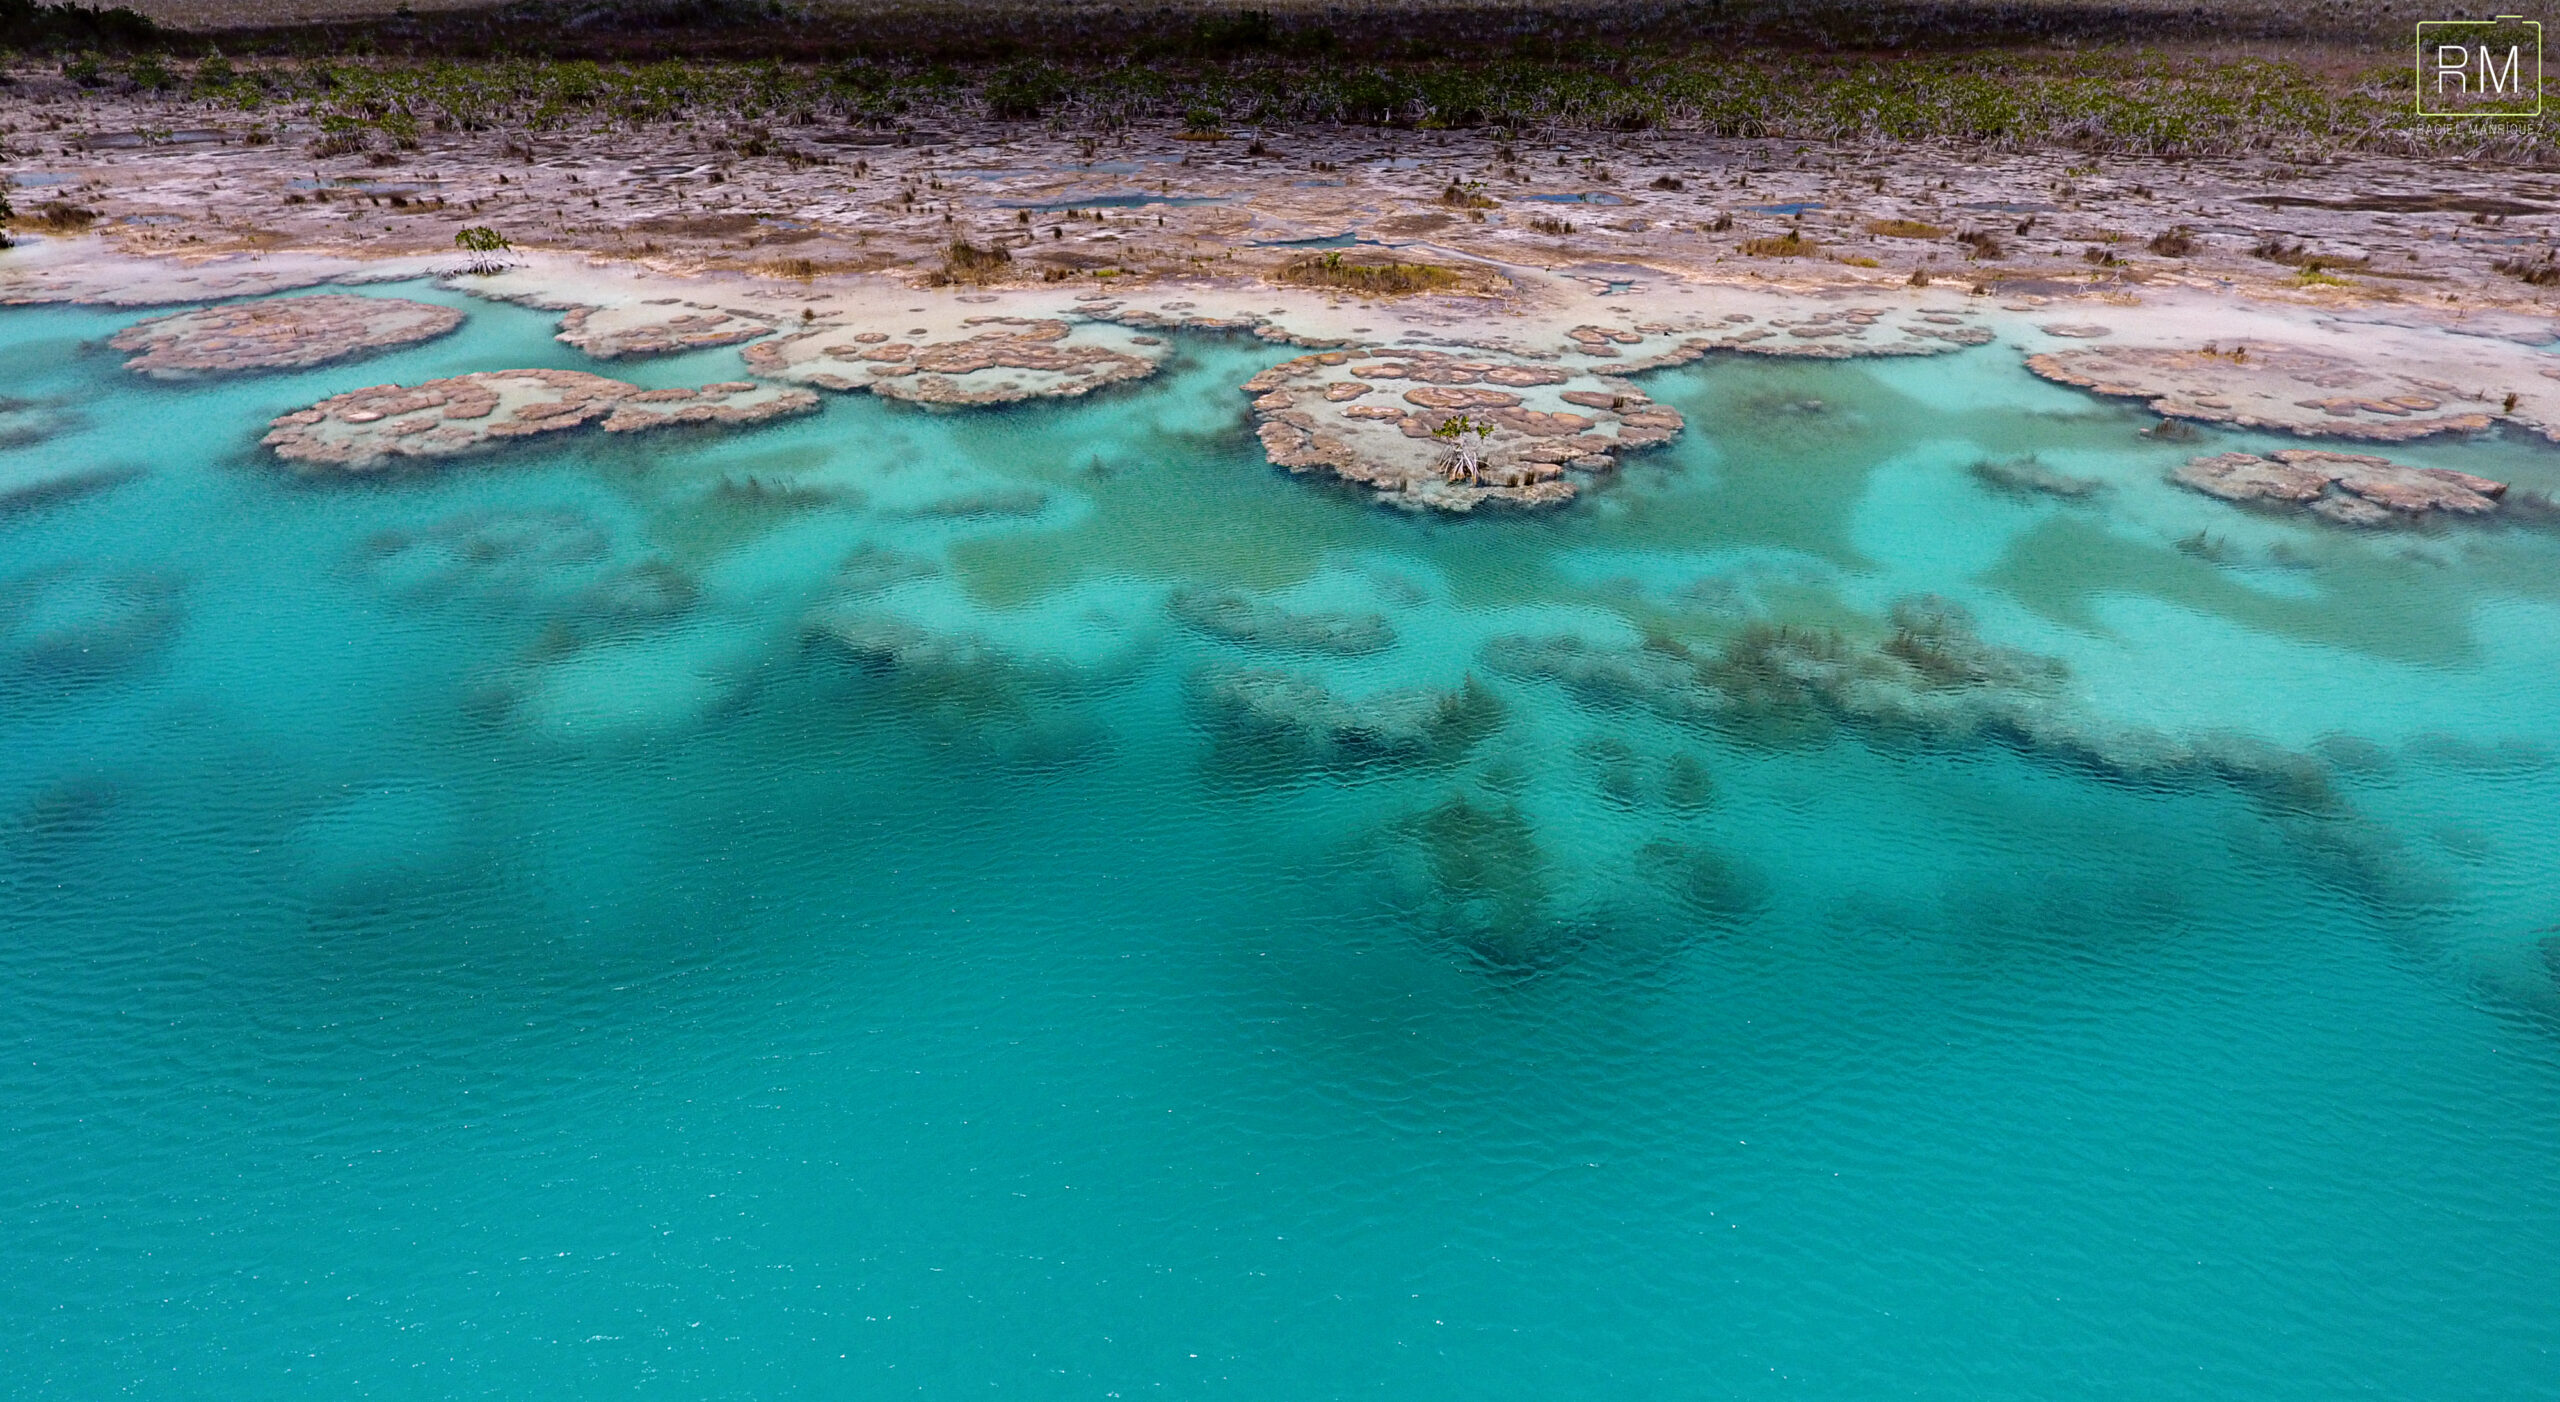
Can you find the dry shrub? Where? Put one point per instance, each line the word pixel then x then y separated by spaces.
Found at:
pixel 2275 249
pixel 60 217
pixel 1791 244
pixel 1368 279
pixel 1904 229
pixel 963 261
pixel 2533 272
pixel 2175 242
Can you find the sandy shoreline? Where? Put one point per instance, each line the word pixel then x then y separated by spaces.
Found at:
pixel 2372 288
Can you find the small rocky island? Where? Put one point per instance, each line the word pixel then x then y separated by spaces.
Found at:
pixel 368 430
pixel 288 333
pixel 2352 489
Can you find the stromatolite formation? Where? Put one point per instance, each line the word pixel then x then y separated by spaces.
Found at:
pixel 1257 623
pixel 368 429
pixel 660 326
pixel 1295 718
pixel 1933 680
pixel 27 422
pixel 2274 386
pixel 2350 488
pixel 1006 359
pixel 77 623
pixel 1371 419
pixel 1833 334
pixel 288 333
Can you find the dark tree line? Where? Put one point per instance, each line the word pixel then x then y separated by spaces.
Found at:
pixel 27 24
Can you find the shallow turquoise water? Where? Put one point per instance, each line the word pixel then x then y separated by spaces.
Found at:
pixel 786 914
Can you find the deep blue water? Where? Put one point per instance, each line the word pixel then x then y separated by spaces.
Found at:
pixel 788 914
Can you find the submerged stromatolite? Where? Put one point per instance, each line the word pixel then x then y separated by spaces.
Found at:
pixel 2026 476
pixel 2297 389
pixel 1471 871
pixel 31 487
pixel 2350 488
pixel 971 692
pixel 1241 618
pixel 367 429
pixel 1377 420
pixel 74 623
pixel 26 422
pixel 1003 360
pixel 1933 680
pixel 287 333
pixel 519 556
pixel 1631 780
pixel 1293 717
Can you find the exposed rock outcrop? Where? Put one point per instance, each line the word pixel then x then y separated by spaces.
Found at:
pixel 2352 489
pixel 369 429
pixel 1371 419
pixel 286 333
pixel 1012 359
pixel 2290 388
pixel 659 326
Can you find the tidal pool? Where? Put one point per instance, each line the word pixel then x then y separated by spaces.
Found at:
pixel 1885 896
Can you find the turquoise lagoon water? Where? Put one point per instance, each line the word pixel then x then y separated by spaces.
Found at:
pixel 789 914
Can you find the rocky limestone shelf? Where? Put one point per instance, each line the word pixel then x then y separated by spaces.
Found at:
pixel 1370 419
pixel 288 333
pixel 2301 390
pixel 2352 489
pixel 658 326
pixel 368 430
pixel 1003 360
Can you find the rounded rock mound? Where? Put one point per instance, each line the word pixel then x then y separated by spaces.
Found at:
pixel 2352 489
pixel 369 429
pixel 1004 360
pixel 2288 388
pixel 287 333
pixel 1519 427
